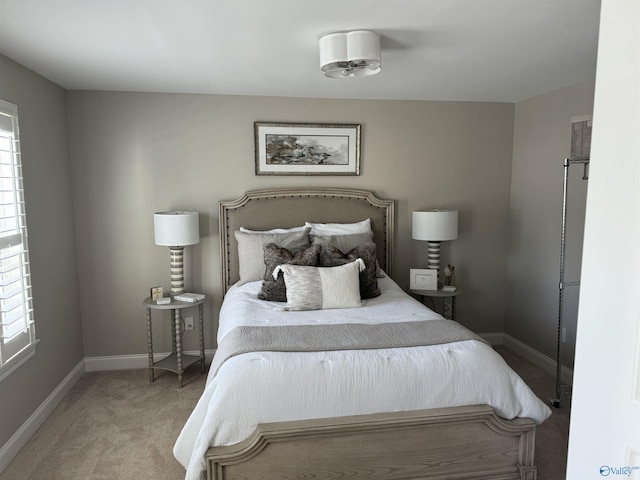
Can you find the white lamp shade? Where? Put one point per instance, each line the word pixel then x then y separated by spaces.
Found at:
pixel 333 48
pixel 347 54
pixel 435 225
pixel 176 228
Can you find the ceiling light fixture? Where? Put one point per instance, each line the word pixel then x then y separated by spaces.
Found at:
pixel 350 54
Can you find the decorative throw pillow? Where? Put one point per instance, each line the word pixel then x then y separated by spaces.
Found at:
pixel 251 250
pixel 346 243
pixel 274 289
pixel 331 256
pixel 339 228
pixel 313 288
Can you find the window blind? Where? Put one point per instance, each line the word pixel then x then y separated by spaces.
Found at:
pixel 17 335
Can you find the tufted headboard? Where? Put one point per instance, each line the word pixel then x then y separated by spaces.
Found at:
pixel 291 207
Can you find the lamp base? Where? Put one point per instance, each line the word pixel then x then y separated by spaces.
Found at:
pixel 433 255
pixel 433 259
pixel 176 255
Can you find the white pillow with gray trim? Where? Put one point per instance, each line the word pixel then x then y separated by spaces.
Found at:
pixel 319 288
pixel 339 228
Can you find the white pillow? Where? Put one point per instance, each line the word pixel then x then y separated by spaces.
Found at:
pixel 319 288
pixel 339 228
pixel 274 230
pixel 251 250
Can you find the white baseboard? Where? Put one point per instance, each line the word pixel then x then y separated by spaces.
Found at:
pixel 549 365
pixel 128 362
pixel 10 449
pixel 530 354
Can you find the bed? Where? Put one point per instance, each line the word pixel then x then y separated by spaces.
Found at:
pixel 414 408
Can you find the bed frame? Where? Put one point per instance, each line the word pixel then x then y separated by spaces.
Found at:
pixel 286 208
pixel 469 442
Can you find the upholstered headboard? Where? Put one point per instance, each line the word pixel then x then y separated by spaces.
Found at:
pixel 291 207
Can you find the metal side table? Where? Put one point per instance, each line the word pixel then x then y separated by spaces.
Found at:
pixel 448 300
pixel 176 361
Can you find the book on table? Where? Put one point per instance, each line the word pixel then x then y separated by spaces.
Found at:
pixel 189 297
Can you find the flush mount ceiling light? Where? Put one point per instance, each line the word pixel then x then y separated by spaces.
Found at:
pixel 350 54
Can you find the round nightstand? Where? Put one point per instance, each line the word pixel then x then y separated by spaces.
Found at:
pixel 448 300
pixel 176 361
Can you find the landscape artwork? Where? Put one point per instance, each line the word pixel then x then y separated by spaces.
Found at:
pixel 307 149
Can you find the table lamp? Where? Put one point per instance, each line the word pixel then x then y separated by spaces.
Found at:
pixel 434 226
pixel 176 230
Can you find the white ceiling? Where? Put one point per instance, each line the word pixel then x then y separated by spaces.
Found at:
pixel 480 50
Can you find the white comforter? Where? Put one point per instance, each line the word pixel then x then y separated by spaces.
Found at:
pixel 248 389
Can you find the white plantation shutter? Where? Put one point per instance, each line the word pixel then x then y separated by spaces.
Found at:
pixel 17 336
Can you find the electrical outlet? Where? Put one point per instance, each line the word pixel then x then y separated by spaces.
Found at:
pixel 564 335
pixel 188 323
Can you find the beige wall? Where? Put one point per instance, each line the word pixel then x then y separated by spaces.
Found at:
pixel 42 114
pixel 133 154
pixel 542 140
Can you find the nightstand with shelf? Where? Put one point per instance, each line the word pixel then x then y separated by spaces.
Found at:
pixel 448 300
pixel 176 361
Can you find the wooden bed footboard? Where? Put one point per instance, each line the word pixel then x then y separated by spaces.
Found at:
pixel 447 443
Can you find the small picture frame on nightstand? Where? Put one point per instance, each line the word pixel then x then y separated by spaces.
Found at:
pixel 156 293
pixel 423 279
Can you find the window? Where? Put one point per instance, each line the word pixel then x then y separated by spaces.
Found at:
pixel 17 337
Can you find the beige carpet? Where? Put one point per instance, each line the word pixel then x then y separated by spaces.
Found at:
pixel 115 425
pixel 112 425
pixel 553 435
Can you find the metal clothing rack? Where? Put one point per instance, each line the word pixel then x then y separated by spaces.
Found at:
pixel 555 402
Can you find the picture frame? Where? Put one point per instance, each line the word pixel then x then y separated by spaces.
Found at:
pixel 307 149
pixel 423 279
pixel 155 293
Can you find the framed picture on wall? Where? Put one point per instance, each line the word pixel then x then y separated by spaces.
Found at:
pixel 307 149
pixel 423 279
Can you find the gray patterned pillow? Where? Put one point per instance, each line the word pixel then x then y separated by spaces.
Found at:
pixel 346 243
pixel 331 256
pixel 251 250
pixel 274 289
pixel 313 288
